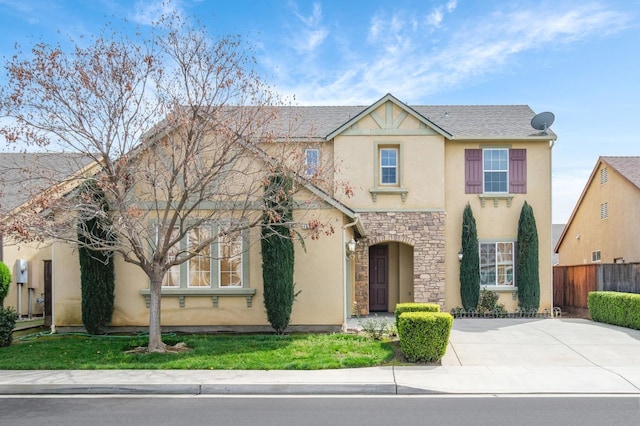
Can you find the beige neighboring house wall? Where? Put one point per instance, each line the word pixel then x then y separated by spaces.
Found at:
pixel 604 226
pixel 405 216
pixel 23 175
pixel 35 254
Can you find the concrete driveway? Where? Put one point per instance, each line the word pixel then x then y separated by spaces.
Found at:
pixel 525 356
pixel 541 342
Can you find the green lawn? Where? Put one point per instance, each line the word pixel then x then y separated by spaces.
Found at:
pixel 224 352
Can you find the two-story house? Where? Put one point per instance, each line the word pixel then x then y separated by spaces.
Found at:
pixel 603 226
pixel 412 170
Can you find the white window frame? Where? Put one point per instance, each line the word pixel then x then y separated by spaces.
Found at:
pixel 395 167
pixel 174 270
pixel 238 256
pixel 508 266
pixel 485 170
pixel 596 256
pixel 183 275
pixel 312 163
pixel 188 263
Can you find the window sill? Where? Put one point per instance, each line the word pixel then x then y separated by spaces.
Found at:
pixel 214 293
pixel 496 198
pixel 393 191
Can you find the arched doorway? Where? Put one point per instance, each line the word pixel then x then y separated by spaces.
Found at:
pixel 390 275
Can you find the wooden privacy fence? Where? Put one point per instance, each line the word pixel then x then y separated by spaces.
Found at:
pixel 572 284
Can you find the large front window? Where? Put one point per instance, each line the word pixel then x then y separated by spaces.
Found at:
pixel 200 265
pixel 497 264
pixel 172 277
pixel 230 258
pixel 495 165
pixel 217 264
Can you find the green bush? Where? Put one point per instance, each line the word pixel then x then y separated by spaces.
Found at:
pixel 615 308
pixel 488 303
pixel 5 281
pixel 278 253
pixel 424 336
pixel 415 307
pixel 8 317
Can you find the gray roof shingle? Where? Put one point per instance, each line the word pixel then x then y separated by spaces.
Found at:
pixel 461 121
pixel 629 167
pixel 25 174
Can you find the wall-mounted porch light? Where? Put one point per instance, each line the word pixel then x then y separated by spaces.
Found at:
pixel 351 248
pixel 460 255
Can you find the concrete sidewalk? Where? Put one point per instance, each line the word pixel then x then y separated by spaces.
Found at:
pixel 485 356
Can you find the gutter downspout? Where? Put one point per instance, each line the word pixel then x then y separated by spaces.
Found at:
pixel 344 271
pixel 52 328
pixel 552 142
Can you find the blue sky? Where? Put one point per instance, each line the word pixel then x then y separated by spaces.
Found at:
pixel 579 59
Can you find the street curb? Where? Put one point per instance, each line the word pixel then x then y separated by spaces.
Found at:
pixel 202 389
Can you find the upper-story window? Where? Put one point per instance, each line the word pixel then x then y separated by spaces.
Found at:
pixel 604 176
pixel 388 166
pixel 311 161
pixel 495 170
pixel 495 166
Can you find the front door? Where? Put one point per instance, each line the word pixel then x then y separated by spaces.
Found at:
pixel 48 294
pixel 378 278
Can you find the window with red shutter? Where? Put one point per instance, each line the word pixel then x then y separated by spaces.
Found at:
pixel 473 171
pixel 518 171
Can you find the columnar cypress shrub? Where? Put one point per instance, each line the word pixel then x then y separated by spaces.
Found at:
pixel 470 264
pixel 97 274
pixel 527 272
pixel 278 251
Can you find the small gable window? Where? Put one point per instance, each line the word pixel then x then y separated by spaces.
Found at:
pixel 388 166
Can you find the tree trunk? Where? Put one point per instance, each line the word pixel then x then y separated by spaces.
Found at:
pixel 155 332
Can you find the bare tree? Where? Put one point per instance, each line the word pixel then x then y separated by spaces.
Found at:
pixel 173 123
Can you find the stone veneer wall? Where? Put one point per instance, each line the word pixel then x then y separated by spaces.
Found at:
pixel 422 230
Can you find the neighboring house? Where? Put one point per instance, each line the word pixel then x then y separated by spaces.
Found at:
pixel 604 225
pixel 31 292
pixel 413 169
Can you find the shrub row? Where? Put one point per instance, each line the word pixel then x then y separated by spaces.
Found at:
pixel 423 330
pixel 615 308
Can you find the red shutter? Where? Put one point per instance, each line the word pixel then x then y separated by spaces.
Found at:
pixel 473 171
pixel 518 171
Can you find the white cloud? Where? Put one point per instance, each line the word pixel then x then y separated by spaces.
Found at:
pixel 412 61
pixel 434 19
pixel 312 34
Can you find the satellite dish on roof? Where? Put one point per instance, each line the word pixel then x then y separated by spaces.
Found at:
pixel 543 121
